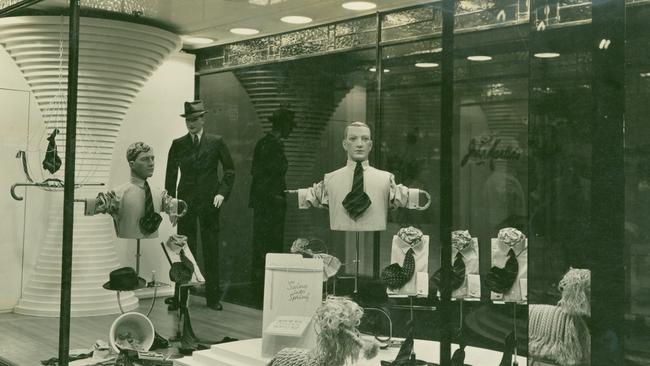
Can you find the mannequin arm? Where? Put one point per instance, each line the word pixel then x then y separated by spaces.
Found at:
pixel 315 196
pixel 104 203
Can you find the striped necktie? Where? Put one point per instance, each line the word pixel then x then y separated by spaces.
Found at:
pixel 151 220
pixel 357 201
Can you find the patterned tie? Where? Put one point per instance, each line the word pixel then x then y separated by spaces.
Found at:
pixel 395 277
pixel 151 220
pixel 357 201
pixel 500 280
pixel 457 274
pixel 408 267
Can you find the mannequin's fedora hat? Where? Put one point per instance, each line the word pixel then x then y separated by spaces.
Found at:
pixel 124 279
pixel 194 109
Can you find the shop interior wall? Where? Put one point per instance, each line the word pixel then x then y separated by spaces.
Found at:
pixel 152 118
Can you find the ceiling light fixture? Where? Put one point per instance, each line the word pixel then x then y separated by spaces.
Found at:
pixel 197 40
pixel 645 74
pixel 374 69
pixel 244 31
pixel 547 55
pixel 296 19
pixel 359 5
pixel 479 58
pixel 426 64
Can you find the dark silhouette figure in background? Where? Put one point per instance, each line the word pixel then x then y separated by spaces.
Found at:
pixel 267 196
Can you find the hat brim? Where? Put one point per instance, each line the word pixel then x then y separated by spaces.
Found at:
pixel 141 284
pixel 193 114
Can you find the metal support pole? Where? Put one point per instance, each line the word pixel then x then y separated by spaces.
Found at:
pixel 514 322
pixel 68 189
pixel 137 257
pixel 356 271
pixel 446 175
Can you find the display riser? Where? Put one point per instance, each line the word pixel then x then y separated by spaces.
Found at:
pixel 115 61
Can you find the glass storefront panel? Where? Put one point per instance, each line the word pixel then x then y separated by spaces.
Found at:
pixel 326 93
pixel 490 160
pixel 637 188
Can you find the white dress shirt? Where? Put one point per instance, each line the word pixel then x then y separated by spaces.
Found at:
pixel 379 185
pixel 129 201
pixel 471 259
pixel 415 286
pixel 518 292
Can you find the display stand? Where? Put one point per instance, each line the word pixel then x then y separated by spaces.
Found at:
pixel 356 261
pixel 514 328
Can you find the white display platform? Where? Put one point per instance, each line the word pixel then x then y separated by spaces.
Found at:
pixel 248 353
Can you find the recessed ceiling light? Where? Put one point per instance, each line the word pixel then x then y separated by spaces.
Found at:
pixel 296 19
pixel 479 58
pixel 359 5
pixel 645 74
pixel 374 69
pixel 547 55
pixel 197 40
pixel 386 70
pixel 426 64
pixel 244 31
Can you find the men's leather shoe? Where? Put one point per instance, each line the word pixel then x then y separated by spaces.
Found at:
pixel 215 306
pixel 170 300
pixel 173 306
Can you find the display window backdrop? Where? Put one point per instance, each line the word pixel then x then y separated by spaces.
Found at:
pixel 153 118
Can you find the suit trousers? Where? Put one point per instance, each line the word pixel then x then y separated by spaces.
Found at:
pixel 268 236
pixel 208 224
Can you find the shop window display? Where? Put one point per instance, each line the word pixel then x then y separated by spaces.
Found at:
pixel 526 88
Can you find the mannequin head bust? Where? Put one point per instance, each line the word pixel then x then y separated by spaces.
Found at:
pixel 141 160
pixel 357 141
pixel 283 122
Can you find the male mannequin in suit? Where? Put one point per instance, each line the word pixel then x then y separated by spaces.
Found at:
pixel 198 155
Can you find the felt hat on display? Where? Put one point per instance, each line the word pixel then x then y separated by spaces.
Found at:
pixel 194 109
pixel 124 279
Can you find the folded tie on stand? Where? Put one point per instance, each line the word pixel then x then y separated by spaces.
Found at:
pixel 500 280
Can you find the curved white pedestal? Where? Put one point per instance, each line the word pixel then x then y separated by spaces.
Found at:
pixel 115 60
pixel 248 353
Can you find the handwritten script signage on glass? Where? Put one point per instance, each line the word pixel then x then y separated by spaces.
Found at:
pixel 485 148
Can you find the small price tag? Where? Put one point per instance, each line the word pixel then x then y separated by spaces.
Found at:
pixel 474 285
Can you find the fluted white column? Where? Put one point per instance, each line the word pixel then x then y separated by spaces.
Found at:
pixel 115 60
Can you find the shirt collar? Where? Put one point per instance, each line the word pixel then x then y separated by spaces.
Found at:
pixel 469 250
pixel 517 248
pixel 404 246
pixel 137 181
pixel 199 134
pixel 352 164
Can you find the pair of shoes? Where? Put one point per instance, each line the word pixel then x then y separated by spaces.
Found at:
pixel 173 306
pixel 170 300
pixel 215 306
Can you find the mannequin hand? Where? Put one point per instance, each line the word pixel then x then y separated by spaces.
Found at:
pixel 218 200
pixel 290 191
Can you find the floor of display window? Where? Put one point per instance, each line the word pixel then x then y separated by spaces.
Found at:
pixel 26 340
